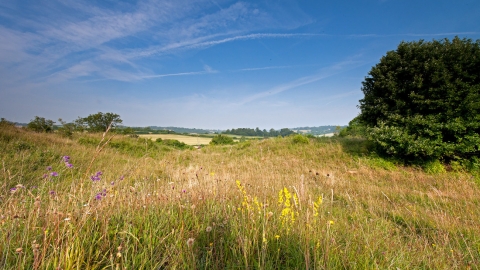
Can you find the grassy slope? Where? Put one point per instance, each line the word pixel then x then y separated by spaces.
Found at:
pixel 366 217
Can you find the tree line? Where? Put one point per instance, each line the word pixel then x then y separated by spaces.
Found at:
pixel 260 133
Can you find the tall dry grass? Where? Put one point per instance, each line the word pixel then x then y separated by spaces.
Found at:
pixel 271 204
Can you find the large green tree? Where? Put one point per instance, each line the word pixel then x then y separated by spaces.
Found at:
pixel 422 101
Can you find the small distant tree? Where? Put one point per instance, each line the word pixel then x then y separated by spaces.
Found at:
pixel 66 129
pixel 99 122
pixel 40 124
pixel 221 139
pixel 286 132
pixel 4 122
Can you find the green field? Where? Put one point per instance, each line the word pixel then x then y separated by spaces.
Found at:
pixel 282 203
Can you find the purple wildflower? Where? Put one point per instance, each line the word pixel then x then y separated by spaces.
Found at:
pixel 45 175
pixel 184 191
pixel 69 165
pixel 95 178
pixel 66 159
pixel 112 183
pixel 54 174
pixel 52 193
pixel 121 177
pixel 49 168
pixel 13 189
pixel 99 173
pixel 98 196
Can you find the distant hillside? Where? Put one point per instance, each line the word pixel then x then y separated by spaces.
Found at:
pixel 320 130
pixel 186 130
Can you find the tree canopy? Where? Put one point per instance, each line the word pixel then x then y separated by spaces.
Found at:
pixel 40 124
pixel 423 100
pixel 99 122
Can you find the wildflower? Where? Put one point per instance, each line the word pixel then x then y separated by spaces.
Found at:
pixel 208 229
pixel 45 175
pixel 54 174
pixel 212 174
pixel 98 196
pixel 331 222
pixel 96 177
pixel 112 183
pixel 66 159
pixel 184 191
pixel 190 242
pixel 13 190
pixel 277 236
pixel 316 206
pixel 69 165
pixel 52 192
pixel 49 168
pixel 121 177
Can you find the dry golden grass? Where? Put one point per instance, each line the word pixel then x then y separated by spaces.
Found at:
pixel 190 140
pixel 369 218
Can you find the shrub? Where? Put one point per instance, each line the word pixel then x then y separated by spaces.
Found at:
pixel 40 124
pixel 300 139
pixel 175 144
pixel 221 140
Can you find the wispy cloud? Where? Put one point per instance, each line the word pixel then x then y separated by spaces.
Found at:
pixel 207 70
pixel 322 74
pixel 106 42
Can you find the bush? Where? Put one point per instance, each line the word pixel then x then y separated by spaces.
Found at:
pixel 300 139
pixel 422 100
pixel 40 124
pixel 175 144
pixel 221 140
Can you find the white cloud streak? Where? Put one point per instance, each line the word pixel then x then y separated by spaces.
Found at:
pixel 322 74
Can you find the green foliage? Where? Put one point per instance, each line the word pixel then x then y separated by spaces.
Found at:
pixel 221 140
pixel 40 124
pixel 99 122
pixel 434 167
pixel 129 131
pixel 66 129
pixel 422 101
pixel 175 144
pixel 300 139
pixel 355 128
pixel 259 133
pixel 88 141
pixel 378 162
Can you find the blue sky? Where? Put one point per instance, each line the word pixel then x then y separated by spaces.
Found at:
pixel 215 64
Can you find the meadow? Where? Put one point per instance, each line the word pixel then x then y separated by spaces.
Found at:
pixel 103 202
